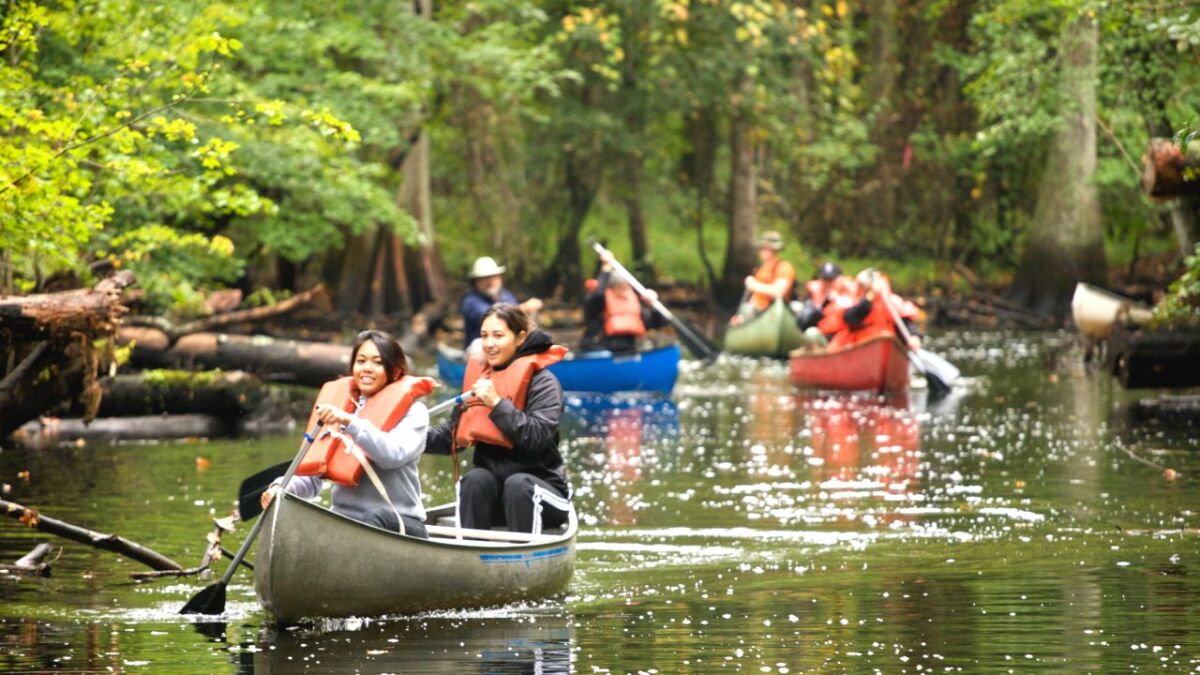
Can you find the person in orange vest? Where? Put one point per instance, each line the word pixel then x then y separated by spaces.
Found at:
pixel 615 318
pixel 829 287
pixel 518 479
pixel 870 316
pixel 774 279
pixel 390 437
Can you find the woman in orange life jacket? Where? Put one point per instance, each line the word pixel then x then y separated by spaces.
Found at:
pixel 869 316
pixel 378 374
pixel 518 479
pixel 614 317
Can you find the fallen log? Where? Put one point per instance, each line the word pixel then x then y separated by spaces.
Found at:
pixel 1143 359
pixel 86 310
pixel 34 563
pixel 212 553
pixel 50 339
pixel 252 314
pixel 175 392
pixel 107 542
pixel 48 432
pixel 308 363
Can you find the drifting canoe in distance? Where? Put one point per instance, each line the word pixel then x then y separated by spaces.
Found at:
pixel 591 372
pixel 771 333
pixel 313 563
pixel 880 364
pixel 1095 310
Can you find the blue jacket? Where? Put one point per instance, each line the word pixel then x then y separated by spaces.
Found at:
pixel 473 306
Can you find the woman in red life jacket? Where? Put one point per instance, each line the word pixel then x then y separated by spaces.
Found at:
pixel 614 316
pixel 518 480
pixel 373 414
pixel 772 280
pixel 870 316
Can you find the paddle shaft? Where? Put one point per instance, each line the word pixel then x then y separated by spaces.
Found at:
pixel 287 476
pixel 654 302
pixel 446 406
pixel 934 378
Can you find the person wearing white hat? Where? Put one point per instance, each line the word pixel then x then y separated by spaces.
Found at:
pixel 487 289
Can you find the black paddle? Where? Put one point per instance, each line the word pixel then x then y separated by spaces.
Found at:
pixel 251 489
pixel 938 372
pixel 211 599
pixel 692 338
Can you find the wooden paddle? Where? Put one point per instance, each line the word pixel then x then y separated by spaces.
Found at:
pixel 938 372
pixel 251 489
pixel 211 599
pixel 691 337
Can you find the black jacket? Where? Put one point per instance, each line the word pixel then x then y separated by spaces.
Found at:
pixel 533 431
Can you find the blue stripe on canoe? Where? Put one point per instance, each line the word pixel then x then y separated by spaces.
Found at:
pixel 522 557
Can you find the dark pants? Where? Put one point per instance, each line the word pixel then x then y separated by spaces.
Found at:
pixel 386 520
pixel 484 503
pixel 809 316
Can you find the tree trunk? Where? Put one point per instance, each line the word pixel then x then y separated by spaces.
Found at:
pixel 581 183
pixel 415 196
pixel 642 263
pixel 1066 242
pixel 740 256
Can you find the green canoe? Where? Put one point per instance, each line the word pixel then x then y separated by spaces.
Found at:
pixel 772 333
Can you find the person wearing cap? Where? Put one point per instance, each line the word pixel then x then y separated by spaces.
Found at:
pixel 772 280
pixel 487 289
pixel 829 287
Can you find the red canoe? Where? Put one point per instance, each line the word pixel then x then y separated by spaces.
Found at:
pixel 879 364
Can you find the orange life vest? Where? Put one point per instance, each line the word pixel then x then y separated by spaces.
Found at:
pixel 512 383
pixel 769 273
pixel 878 322
pixel 623 313
pixel 327 456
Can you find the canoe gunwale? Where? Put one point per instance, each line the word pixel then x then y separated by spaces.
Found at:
pixel 455 543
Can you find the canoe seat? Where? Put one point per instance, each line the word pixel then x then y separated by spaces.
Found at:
pixel 448 521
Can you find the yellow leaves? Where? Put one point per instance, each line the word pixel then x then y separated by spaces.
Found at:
pixel 23 475
pixel 214 153
pixel 273 111
pixel 29 517
pixel 221 245
pixel 842 9
pixel 827 11
pixel 681 35
pixel 569 23
pixel 173 130
pixel 677 11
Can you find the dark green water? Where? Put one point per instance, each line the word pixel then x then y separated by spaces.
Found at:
pixel 739 527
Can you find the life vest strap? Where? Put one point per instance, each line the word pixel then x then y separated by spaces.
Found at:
pixel 352 448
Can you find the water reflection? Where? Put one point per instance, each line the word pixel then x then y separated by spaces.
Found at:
pixel 498 642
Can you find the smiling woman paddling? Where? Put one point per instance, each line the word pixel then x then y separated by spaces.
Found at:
pixel 373 424
pixel 518 479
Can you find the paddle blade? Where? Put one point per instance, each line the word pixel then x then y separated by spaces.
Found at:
pixel 210 600
pixel 252 488
pixel 940 373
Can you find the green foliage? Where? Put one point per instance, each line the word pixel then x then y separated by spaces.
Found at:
pixel 1181 307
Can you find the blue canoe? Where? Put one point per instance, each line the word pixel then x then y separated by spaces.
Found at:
pixel 601 372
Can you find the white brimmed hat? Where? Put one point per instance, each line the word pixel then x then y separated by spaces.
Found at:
pixel 485 267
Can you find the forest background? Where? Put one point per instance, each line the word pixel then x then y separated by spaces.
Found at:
pixel 380 146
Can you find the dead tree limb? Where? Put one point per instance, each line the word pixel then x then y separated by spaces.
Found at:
pixel 107 542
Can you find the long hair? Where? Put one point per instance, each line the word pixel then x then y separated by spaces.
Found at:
pixel 513 316
pixel 395 363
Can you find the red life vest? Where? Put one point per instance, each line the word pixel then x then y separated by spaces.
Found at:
pixel 327 456
pixel 512 383
pixel 623 313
